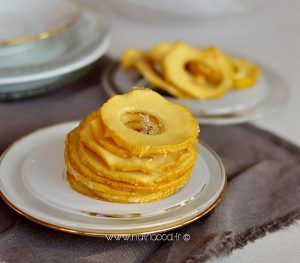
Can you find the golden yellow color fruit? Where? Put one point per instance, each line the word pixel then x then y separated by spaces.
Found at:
pixel 105 164
pixel 135 59
pixel 107 142
pixel 91 160
pixel 90 178
pixel 245 73
pixel 87 177
pixel 175 71
pixel 82 186
pixel 133 163
pixel 186 72
pixel 79 187
pixel 159 136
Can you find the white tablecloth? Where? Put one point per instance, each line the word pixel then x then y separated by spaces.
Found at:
pixel 269 34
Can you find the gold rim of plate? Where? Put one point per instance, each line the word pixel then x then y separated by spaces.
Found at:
pixel 106 233
pixel 45 34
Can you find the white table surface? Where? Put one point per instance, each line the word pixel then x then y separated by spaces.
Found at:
pixel 269 34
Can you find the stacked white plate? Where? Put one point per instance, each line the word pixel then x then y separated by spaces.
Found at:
pixel 42 44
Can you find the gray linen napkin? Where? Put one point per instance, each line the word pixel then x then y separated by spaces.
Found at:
pixel 263 191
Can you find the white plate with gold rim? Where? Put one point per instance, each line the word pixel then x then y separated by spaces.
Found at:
pixel 23 22
pixel 16 193
pixel 26 21
pixel 85 42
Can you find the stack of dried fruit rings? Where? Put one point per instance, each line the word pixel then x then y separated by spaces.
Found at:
pixel 131 151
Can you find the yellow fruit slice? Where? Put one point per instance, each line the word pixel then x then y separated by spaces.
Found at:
pixel 117 185
pixel 90 178
pixel 75 166
pixel 79 187
pixel 173 136
pixel 135 59
pixel 92 185
pixel 199 68
pixel 143 198
pixel 92 161
pixel 245 73
pixel 96 186
pixel 136 199
pixel 93 189
pixel 89 175
pixel 174 173
pixel 107 142
pixel 145 164
pixel 176 61
pixel 116 162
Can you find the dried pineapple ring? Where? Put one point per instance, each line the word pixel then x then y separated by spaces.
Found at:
pixel 142 198
pixel 98 130
pixel 89 175
pixel 215 67
pixel 82 187
pixel 86 161
pixel 79 187
pixel 199 68
pixel 245 73
pixel 78 155
pixel 134 58
pixel 174 65
pixel 92 185
pixel 106 188
pixel 158 52
pixel 92 161
pixel 148 165
pixel 171 138
pixel 107 142
pixel 165 183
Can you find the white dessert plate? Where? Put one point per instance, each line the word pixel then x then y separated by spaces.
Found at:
pixel 268 95
pixel 22 157
pixel 27 21
pixel 74 49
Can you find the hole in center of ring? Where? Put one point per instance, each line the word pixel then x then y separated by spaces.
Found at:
pixel 142 122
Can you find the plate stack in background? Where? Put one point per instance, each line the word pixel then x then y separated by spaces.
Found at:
pixel 45 44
